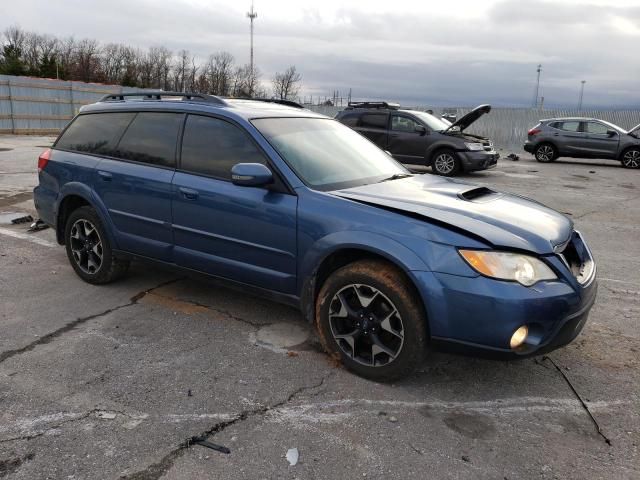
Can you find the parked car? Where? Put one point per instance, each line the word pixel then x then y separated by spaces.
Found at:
pixel 419 138
pixel 286 203
pixel 584 138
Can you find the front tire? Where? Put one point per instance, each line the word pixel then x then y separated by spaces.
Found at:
pixel 446 163
pixel 545 153
pixel 369 317
pixel 631 158
pixel 89 250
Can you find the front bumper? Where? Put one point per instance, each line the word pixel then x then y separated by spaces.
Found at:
pixel 481 313
pixel 478 160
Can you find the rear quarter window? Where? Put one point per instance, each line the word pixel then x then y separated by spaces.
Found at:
pixel 95 133
pixel 374 120
pixel 350 119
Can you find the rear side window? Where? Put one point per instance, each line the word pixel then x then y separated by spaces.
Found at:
pixel 95 133
pixel 151 138
pixel 374 120
pixel 350 119
pixel 211 146
pixel 569 126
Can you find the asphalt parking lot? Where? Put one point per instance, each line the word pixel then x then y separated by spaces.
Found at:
pixel 118 381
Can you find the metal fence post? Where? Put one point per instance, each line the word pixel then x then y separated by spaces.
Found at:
pixel 13 120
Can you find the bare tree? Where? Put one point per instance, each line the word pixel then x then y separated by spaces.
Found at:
pixel 286 86
pixel 86 60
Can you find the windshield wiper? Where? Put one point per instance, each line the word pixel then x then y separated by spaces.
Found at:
pixel 396 176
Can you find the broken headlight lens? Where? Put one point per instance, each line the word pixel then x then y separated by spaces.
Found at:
pixel 516 267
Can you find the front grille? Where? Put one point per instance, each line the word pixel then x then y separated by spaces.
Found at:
pixel 576 256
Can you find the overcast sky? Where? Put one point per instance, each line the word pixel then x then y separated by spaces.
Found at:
pixel 440 53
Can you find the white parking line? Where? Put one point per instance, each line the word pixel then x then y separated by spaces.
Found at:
pixel 26 236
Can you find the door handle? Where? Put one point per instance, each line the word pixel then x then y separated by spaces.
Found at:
pixel 394 135
pixel 106 176
pixel 556 134
pixel 188 193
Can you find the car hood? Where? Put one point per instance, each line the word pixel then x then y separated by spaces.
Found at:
pixel 634 130
pixel 500 219
pixel 470 117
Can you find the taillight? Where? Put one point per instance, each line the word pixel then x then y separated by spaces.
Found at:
pixel 43 159
pixel 533 131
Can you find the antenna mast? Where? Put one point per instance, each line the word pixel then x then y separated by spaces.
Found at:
pixel 251 14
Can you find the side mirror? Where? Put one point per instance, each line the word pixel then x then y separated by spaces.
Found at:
pixel 251 175
pixel 612 133
pixel 420 129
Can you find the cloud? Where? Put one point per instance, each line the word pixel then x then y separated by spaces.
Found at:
pixel 430 56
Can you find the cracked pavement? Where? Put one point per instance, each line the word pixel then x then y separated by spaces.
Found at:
pixel 119 381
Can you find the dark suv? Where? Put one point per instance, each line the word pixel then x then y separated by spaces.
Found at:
pixel 289 204
pixel 584 138
pixel 419 138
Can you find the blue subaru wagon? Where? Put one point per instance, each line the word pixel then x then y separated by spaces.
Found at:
pixel 283 202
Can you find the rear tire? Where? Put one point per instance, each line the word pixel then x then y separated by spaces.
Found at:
pixel 631 158
pixel 369 317
pixel 446 163
pixel 545 153
pixel 89 250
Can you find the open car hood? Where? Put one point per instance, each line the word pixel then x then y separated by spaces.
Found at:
pixel 470 117
pixel 635 130
pixel 499 219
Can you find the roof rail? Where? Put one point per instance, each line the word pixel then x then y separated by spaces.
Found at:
pixel 288 103
pixel 150 95
pixel 389 105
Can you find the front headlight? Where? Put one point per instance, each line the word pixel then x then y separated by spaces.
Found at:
pixel 474 146
pixel 523 269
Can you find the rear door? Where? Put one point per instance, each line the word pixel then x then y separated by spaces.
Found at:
pixel 405 143
pixel 598 142
pixel 135 184
pixel 374 126
pixel 569 137
pixel 242 233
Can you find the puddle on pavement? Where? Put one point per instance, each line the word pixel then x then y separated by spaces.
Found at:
pixel 7 217
pixel 5 149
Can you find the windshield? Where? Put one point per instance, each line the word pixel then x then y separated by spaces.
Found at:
pixel 327 155
pixel 434 123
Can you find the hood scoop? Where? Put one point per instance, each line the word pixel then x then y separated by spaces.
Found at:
pixel 479 194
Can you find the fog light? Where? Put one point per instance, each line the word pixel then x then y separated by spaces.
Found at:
pixel 519 336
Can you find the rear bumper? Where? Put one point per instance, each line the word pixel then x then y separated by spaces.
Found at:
pixel 483 160
pixel 528 147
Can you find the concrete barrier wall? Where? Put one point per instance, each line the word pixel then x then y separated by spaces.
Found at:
pixel 43 106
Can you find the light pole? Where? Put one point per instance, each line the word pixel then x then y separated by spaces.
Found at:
pixel 581 94
pixel 251 14
pixel 535 98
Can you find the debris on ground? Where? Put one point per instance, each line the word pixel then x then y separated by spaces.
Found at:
pixel 25 219
pixel 291 353
pixel 393 419
pixel 513 156
pixel 106 415
pixel 292 456
pixel 465 458
pixel 213 446
pixel 37 226
pixel 189 394
pixel 592 171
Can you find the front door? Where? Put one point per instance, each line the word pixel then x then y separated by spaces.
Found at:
pixel 599 142
pixel 405 143
pixel 241 233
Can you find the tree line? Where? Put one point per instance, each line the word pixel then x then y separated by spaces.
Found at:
pixel 46 56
